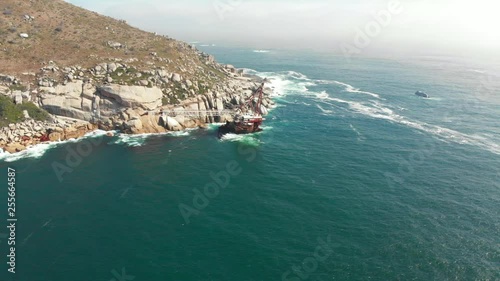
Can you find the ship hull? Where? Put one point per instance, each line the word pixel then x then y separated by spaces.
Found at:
pixel 238 128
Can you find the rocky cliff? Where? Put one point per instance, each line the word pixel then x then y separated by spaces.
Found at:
pixel 75 63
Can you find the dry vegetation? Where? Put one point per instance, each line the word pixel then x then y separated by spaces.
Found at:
pixel 70 35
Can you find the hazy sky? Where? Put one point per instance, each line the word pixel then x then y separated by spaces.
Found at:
pixel 419 26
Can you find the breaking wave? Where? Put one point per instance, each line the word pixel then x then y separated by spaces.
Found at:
pixel 247 139
pixel 131 140
pixel 360 136
pixel 38 150
pixel 261 51
pixel 287 82
pixel 140 140
pixel 291 82
pixel 349 88
pixel 326 111
pixel 295 83
pixel 378 110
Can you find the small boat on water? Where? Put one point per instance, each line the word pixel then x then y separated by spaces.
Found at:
pixel 421 94
pixel 249 120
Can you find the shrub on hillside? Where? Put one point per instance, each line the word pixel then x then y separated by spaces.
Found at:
pixel 9 113
pixel 12 113
pixel 34 111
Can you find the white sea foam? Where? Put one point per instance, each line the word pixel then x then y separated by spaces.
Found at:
pixel 248 139
pixel 140 139
pixel 360 136
pixel 261 51
pixel 179 133
pixel 349 88
pixel 378 110
pixel 352 89
pixel 323 95
pixel 326 111
pixel 131 140
pixel 297 75
pixel 285 83
pixel 38 150
pixel 434 98
pixel 35 151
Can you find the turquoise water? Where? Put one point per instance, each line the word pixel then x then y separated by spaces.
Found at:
pixel 353 178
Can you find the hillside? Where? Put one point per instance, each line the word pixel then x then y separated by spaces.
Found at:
pixel 61 32
pixel 78 64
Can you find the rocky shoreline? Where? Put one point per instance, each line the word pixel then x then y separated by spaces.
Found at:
pixel 130 109
pixel 97 72
pixel 19 136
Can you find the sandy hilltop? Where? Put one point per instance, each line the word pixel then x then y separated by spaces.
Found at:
pixel 66 71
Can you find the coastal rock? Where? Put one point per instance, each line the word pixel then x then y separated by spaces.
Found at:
pixel 162 73
pixel 112 67
pixel 172 124
pixel 18 98
pixel 4 89
pixel 88 91
pixel 65 100
pixel 135 125
pixel 114 45
pixel 176 77
pixel 14 147
pixel 133 96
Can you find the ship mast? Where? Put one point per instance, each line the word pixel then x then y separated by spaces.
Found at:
pixel 260 92
pixel 249 104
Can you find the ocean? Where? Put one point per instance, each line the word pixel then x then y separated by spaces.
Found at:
pixel 353 178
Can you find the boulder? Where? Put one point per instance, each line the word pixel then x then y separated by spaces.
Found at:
pixel 4 89
pixel 88 90
pixel 172 124
pixel 65 100
pixel 114 45
pixel 14 147
pixel 219 103
pixel 135 124
pixel 162 73
pixel 55 136
pixel 18 98
pixel 133 96
pixel 176 77
pixel 236 100
pixel 180 119
pixel 112 67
